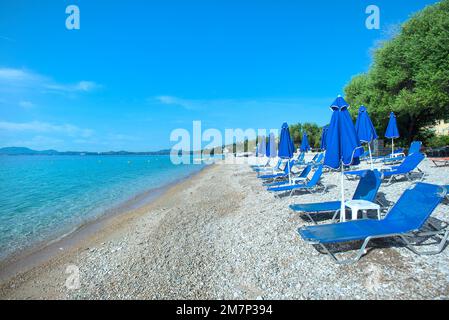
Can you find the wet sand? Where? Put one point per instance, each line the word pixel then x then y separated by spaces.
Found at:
pixel 41 253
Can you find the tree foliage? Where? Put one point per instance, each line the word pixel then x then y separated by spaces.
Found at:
pixel 313 133
pixel 409 75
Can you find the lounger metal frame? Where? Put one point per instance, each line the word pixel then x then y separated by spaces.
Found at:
pixel 383 207
pixel 409 245
pixel 407 175
pixel 438 164
pixel 312 190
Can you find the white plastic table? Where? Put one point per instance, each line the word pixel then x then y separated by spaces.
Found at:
pixel 360 205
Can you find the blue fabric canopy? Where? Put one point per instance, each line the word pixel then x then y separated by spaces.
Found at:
pixel 286 146
pixel 271 151
pixel 267 149
pixel 305 147
pixel 392 129
pixel 366 131
pixel 343 145
pixel 364 127
pixel 262 147
pixel 323 137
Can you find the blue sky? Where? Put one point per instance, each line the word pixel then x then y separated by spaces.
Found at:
pixel 136 70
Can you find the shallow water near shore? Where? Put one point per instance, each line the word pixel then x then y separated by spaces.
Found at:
pixel 46 197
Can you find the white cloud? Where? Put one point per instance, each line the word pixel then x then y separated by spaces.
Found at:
pixel 237 104
pixel 7 38
pixel 82 86
pixel 37 143
pixel 14 75
pixel 22 78
pixel 167 99
pixel 187 104
pixel 43 127
pixel 26 104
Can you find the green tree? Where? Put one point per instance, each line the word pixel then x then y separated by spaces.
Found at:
pixel 313 132
pixel 409 75
pixel 296 133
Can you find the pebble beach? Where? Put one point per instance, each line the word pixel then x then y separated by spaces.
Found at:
pixel 221 235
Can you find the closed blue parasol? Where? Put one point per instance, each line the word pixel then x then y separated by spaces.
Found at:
pixel 365 130
pixel 324 137
pixel 305 147
pixel 343 145
pixel 262 147
pixel 286 147
pixel 392 131
pixel 271 146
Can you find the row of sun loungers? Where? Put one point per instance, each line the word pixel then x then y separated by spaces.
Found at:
pixel 406 169
pixel 407 219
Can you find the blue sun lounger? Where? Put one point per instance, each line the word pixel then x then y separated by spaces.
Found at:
pixel 301 177
pixel 398 155
pixel 279 175
pixel 300 159
pixel 367 189
pixel 314 158
pixel 261 166
pixel 317 159
pixel 268 168
pixel 405 169
pixel 365 156
pixel 311 186
pixel 405 220
pixel 415 147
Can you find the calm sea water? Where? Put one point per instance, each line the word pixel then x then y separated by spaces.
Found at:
pixel 43 197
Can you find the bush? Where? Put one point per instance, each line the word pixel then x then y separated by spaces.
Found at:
pixel 437 142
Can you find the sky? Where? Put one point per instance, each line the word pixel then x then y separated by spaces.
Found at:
pixel 137 70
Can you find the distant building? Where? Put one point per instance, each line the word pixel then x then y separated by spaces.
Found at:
pixel 442 128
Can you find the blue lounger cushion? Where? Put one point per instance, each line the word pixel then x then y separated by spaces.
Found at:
pixel 409 214
pixel 367 190
pixel 359 173
pixel 317 207
pixel 410 163
pixel 304 186
pixel 273 176
pixel 289 188
pixel 302 175
pixel 348 231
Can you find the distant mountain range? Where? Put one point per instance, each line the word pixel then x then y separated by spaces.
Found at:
pixel 17 151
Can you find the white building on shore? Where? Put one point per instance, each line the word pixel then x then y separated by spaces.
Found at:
pixel 442 128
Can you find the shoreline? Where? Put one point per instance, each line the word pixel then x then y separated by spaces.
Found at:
pixel 40 253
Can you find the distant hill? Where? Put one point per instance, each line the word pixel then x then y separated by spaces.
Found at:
pixel 25 151
pixel 16 151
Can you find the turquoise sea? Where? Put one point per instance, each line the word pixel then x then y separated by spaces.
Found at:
pixel 45 197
